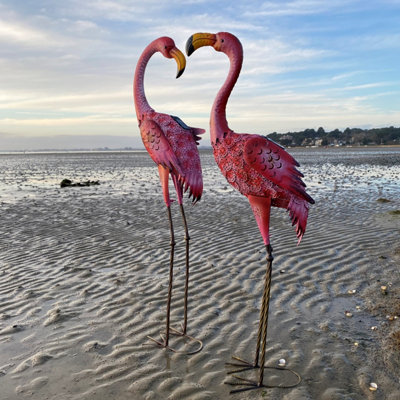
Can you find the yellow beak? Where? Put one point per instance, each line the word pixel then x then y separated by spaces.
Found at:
pixel 180 60
pixel 199 40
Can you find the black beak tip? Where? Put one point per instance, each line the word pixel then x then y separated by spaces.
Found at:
pixel 180 72
pixel 189 46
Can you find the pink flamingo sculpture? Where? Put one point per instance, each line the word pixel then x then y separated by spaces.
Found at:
pixel 262 171
pixel 173 147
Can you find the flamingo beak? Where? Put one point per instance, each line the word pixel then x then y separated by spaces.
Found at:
pixel 180 60
pixel 199 40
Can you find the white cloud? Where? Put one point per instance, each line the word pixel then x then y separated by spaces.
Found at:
pixel 62 122
pixel 69 68
pixel 294 8
pixel 17 32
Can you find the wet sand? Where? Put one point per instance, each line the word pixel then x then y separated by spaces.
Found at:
pixel 84 276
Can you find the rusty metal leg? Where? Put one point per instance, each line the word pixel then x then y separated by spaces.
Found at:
pixel 187 239
pixel 265 310
pixel 262 342
pixel 171 275
pixel 246 365
pixel 165 338
pixel 169 330
pixel 243 364
pixel 186 293
pixel 262 326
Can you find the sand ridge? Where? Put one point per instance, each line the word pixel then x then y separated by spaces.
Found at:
pixel 84 278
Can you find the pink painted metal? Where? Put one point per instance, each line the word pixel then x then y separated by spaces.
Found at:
pixel 262 171
pixel 256 166
pixel 173 147
pixel 172 144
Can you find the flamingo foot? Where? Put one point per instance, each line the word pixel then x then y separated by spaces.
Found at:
pixel 190 341
pixel 243 364
pixel 249 384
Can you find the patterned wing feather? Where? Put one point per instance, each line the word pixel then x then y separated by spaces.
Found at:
pixel 187 142
pixel 158 146
pixel 194 131
pixel 274 163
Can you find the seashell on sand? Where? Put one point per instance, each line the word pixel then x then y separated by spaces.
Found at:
pixel 373 387
pixel 282 362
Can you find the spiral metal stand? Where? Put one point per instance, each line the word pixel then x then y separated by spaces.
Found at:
pixel 243 365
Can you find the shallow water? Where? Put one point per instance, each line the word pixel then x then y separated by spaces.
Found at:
pixel 374 171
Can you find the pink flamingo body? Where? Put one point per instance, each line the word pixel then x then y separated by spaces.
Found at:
pixel 172 145
pixel 258 168
pixel 252 164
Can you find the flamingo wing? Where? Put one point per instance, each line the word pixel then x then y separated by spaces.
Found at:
pixel 195 131
pixel 158 146
pixel 276 164
pixel 188 154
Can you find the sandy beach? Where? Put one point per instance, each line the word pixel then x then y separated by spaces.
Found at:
pixel 84 276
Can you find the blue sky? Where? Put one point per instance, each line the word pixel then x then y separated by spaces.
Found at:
pixel 66 68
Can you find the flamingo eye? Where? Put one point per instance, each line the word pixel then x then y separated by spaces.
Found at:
pixel 222 40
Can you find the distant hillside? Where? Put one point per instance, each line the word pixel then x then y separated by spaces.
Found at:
pixel 350 136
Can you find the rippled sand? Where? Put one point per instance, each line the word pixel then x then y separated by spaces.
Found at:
pixel 84 275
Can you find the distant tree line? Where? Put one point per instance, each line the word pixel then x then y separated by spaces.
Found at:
pixel 350 136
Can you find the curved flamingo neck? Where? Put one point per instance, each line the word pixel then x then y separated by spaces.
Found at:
pixel 141 104
pixel 218 122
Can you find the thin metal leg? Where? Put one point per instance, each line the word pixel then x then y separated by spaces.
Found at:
pixel 261 342
pixel 246 365
pixel 265 309
pixel 187 239
pixel 169 330
pixel 171 275
pixel 186 294
pixel 165 342
pixel 262 326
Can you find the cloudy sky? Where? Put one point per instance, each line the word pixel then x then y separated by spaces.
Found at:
pixel 66 67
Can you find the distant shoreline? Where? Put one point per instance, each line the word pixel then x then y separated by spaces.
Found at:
pixel 202 148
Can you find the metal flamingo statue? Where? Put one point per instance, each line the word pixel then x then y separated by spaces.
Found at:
pixel 173 147
pixel 262 171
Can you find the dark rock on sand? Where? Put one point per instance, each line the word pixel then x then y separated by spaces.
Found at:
pixel 69 183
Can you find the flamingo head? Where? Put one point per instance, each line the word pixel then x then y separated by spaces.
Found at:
pixel 222 41
pixel 166 46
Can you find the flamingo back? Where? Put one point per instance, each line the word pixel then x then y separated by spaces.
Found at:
pixel 183 141
pixel 258 167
